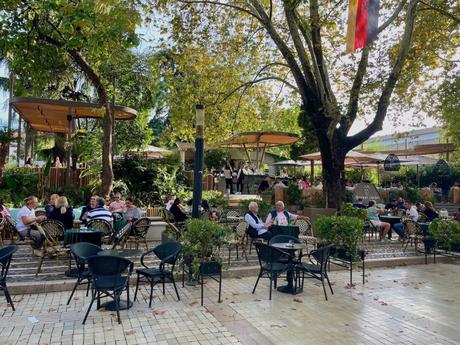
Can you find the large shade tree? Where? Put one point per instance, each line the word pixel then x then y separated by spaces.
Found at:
pixel 306 40
pixel 50 35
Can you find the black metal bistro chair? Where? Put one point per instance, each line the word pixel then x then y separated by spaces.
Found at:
pixel 6 254
pixel 168 254
pixel 108 280
pixel 315 269
pixel 138 234
pixel 270 265
pixel 81 252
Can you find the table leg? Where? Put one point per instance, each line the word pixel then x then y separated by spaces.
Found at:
pixel 290 287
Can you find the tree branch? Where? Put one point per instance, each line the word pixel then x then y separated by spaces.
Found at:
pixel 393 16
pixel 352 108
pixel 442 11
pixel 390 84
pixel 239 8
pixel 308 95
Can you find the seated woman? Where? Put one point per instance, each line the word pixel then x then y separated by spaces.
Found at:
pixel 177 211
pixel 63 213
pixel 131 213
pixel 430 212
pixel 373 216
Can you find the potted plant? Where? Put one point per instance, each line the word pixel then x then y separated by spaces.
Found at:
pixel 200 240
pixel 344 233
pixel 446 234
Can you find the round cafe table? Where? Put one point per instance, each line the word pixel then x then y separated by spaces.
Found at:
pixel 290 248
pixel 123 253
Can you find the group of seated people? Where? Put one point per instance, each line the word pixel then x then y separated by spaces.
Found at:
pixel 100 208
pixel 412 211
pixel 279 216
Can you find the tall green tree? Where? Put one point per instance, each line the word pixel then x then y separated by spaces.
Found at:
pixel 305 39
pixel 64 34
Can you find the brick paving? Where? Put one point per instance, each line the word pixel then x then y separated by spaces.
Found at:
pixel 403 305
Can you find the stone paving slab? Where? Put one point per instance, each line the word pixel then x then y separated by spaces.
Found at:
pixel 403 305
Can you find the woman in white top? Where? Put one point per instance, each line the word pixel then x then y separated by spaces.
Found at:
pixel 228 174
pixel 27 224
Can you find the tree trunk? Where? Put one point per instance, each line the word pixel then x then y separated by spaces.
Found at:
pixel 107 171
pixel 333 155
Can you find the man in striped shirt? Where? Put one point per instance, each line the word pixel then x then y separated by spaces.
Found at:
pixel 100 212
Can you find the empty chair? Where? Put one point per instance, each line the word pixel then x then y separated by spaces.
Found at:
pixel 108 280
pixel 270 265
pixel 81 252
pixel 168 254
pixel 306 234
pixel 6 254
pixel 238 241
pixel 52 245
pixel 315 269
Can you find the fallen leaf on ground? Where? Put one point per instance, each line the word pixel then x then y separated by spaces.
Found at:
pixel 297 300
pixel 159 312
pixel 129 332
pixel 193 303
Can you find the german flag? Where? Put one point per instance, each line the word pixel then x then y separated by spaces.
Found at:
pixel 363 18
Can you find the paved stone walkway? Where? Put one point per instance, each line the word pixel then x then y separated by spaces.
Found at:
pixel 403 305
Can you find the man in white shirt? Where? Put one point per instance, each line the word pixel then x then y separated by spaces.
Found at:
pixel 411 212
pixel 280 216
pixel 257 228
pixel 26 224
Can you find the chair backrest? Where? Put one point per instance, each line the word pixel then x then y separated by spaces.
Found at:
pixel 81 251
pixel 283 239
pixel 210 268
pixel 411 228
pixel 6 254
pixel 53 229
pixel 233 214
pixel 267 254
pixel 101 224
pixel 10 226
pixel 322 256
pixel 40 213
pixel 400 212
pixel 141 227
pixel 168 252
pixel 108 267
pixel 305 227
pixel 241 229
pixel 121 234
pixel 422 217
pixel 168 216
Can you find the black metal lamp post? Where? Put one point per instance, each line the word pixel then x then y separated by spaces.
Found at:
pixel 198 168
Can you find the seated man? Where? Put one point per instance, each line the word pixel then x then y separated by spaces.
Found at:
pixel 51 205
pixel 99 212
pixel 27 226
pixel 256 227
pixel 279 216
pixel 359 203
pixel 412 213
pixel 373 216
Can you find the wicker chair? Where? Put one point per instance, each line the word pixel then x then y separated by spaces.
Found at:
pixel 306 233
pixel 238 241
pixel 176 227
pixel 138 233
pixel 231 216
pixel 412 233
pixel 52 245
pixel 9 227
pixel 104 226
pixel 40 213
